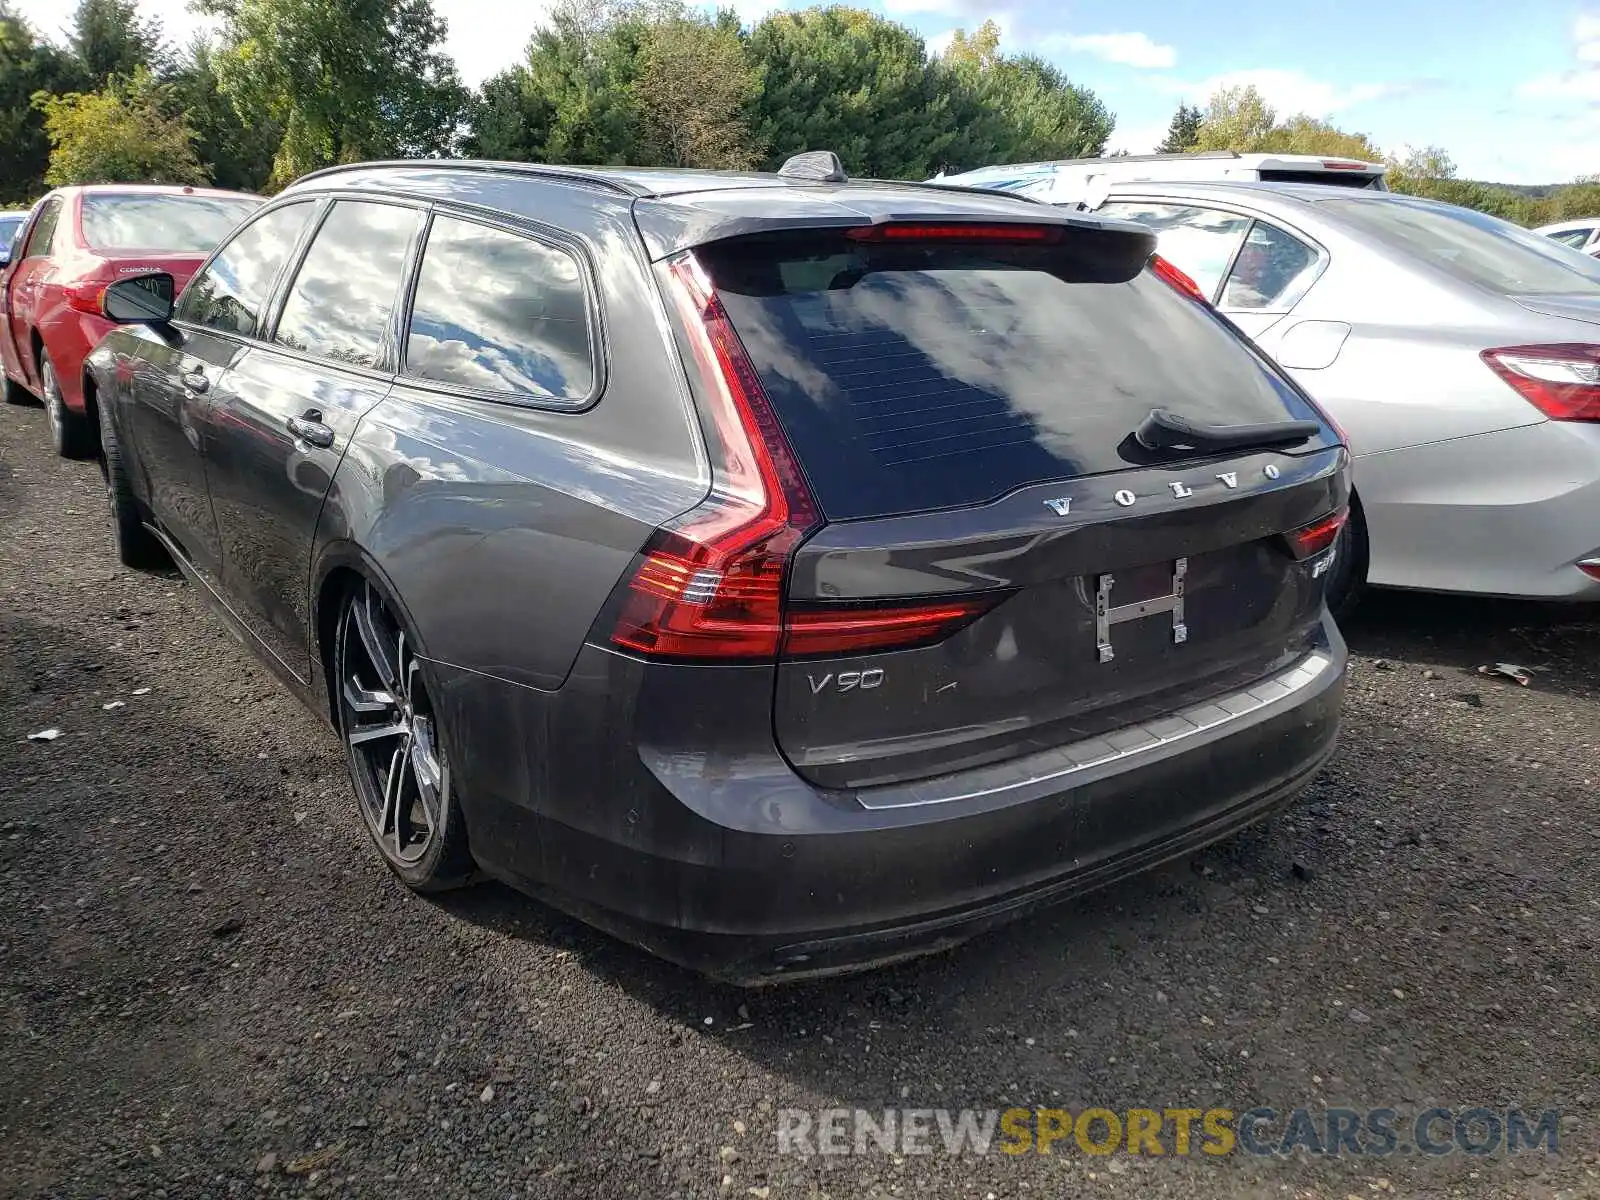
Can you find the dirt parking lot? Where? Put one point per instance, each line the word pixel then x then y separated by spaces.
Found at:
pixel 209 986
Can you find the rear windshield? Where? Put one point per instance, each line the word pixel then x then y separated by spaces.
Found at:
pixel 1350 179
pixel 177 224
pixel 1473 246
pixel 911 377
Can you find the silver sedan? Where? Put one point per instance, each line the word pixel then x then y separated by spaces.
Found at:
pixel 1461 354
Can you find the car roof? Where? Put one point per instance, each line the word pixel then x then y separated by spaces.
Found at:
pixel 675 209
pixel 1579 223
pixel 154 189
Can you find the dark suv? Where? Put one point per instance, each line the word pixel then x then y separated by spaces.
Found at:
pixel 787 574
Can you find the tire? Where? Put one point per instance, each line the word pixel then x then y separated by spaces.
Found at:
pixel 70 432
pixel 137 547
pixel 395 752
pixel 1347 582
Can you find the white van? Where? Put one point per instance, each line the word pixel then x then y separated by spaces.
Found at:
pixel 1074 178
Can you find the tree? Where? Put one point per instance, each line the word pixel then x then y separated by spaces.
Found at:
pixel 346 79
pixel 239 153
pixel 1236 118
pixel 693 89
pixel 118 135
pixel 852 82
pixel 27 65
pixel 1044 115
pixel 1307 135
pixel 579 87
pixel 109 39
pixel 979 49
pixel 1184 132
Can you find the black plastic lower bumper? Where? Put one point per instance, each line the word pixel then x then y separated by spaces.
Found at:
pixel 805 886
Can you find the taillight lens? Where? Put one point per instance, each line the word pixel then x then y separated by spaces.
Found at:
pixel 962 231
pixel 1318 536
pixel 85 297
pixel 810 632
pixel 1165 271
pixel 1562 381
pixel 711 586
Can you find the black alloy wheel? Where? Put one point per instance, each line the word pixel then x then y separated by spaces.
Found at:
pixel 397 759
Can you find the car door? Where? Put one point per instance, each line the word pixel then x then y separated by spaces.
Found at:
pixel 291 407
pixel 185 377
pixel 23 288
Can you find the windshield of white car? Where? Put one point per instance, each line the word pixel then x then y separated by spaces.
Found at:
pixel 1474 246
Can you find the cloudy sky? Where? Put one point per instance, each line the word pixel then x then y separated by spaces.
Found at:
pixel 1512 93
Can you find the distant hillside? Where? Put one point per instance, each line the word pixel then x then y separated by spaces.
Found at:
pixel 1534 191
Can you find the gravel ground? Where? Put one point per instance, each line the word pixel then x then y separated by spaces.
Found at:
pixel 209 986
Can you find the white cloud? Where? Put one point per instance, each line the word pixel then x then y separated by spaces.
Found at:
pixel 1582 83
pixel 939 43
pixel 1290 92
pixel 1137 139
pixel 1130 49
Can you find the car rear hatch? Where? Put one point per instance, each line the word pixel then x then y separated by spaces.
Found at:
pixel 982 559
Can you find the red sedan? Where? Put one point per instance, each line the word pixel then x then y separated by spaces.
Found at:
pixel 78 240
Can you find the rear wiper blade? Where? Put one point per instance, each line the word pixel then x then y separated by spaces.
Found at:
pixel 1164 429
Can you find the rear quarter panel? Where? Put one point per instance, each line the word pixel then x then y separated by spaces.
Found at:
pixel 500 529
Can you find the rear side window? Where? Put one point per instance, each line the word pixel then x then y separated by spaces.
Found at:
pixel 8 230
pixel 44 229
pixel 230 293
pixel 1473 246
pixel 340 302
pixel 930 375
pixel 499 312
pixel 1272 270
pixel 1201 242
pixel 1576 238
pixel 174 224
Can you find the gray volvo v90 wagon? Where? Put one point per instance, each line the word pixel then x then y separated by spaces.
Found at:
pixel 786 573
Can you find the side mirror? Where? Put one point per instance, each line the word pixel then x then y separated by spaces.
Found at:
pixel 142 300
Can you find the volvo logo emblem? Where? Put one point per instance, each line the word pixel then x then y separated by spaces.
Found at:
pixel 1126 498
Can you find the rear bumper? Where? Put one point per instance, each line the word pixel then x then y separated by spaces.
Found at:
pixel 1510 513
pixel 736 867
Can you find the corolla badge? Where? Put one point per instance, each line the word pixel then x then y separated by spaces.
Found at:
pixel 1127 498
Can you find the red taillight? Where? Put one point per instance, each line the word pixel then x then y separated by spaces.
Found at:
pixel 813 631
pixel 1170 274
pixel 1562 381
pixel 1329 165
pixel 85 297
pixel 928 231
pixel 711 587
pixel 1317 536
pixel 1590 567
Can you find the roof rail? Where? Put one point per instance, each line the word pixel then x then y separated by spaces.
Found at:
pixel 941 186
pixel 592 177
pixel 1151 157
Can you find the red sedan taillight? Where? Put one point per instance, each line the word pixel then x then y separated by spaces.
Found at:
pixel 85 297
pixel 1562 381
pixel 1165 271
pixel 711 586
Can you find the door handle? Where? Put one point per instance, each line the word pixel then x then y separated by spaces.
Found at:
pixel 309 428
pixel 195 381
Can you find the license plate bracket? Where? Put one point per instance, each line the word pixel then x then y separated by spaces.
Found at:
pixel 1106 615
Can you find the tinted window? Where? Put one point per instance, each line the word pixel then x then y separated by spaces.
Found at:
pixel 499 312
pixel 1271 272
pixel 44 229
pixel 1349 179
pixel 230 293
pixel 1198 241
pixel 921 376
pixel 9 226
pixel 1473 246
pixel 340 303
pixel 176 224
pixel 1571 237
